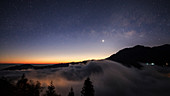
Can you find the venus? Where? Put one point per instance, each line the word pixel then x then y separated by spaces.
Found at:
pixel 102 41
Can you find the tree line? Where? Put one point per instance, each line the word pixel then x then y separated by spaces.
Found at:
pixel 25 87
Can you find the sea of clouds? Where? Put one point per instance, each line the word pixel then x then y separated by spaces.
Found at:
pixel 109 79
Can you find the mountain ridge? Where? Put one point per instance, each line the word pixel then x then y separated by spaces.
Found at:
pixel 159 55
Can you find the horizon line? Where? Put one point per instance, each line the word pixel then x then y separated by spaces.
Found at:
pixel 50 62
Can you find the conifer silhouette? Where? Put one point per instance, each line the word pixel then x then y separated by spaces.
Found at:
pixel 51 90
pixel 87 89
pixel 71 93
pixel 24 87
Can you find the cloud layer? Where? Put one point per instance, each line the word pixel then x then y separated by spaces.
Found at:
pixel 109 79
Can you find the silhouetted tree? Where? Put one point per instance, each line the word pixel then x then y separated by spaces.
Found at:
pixel 87 89
pixel 51 91
pixel 6 87
pixel 71 93
pixel 22 86
pixel 25 88
pixel 34 88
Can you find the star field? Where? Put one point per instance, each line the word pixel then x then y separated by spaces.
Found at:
pixel 52 31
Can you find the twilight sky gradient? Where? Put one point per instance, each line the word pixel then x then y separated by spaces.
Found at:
pixel 54 31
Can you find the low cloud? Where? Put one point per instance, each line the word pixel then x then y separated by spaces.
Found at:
pixel 109 79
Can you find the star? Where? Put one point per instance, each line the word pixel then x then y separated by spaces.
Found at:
pixel 103 41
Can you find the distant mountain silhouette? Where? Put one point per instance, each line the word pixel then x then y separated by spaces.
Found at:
pixel 159 55
pixel 31 66
pixel 20 67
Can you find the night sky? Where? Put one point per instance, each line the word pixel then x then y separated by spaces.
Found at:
pixel 55 31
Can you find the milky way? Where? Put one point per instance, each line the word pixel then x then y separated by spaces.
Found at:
pixel 34 31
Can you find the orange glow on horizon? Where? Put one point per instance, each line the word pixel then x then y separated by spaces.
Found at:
pixel 32 62
pixel 43 62
pixel 42 59
pixel 40 62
